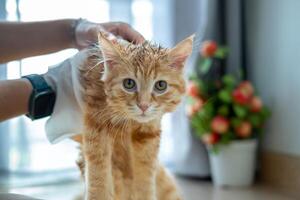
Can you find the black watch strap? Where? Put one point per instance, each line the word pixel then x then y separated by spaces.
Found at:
pixel 42 98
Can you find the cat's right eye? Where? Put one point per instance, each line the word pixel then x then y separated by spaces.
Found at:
pixel 129 85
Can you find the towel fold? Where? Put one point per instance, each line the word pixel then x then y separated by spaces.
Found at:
pixel 67 117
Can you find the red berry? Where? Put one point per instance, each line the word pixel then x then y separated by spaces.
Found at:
pixel 195 107
pixel 211 138
pixel 209 48
pixel 256 104
pixel 247 88
pixel 240 96
pixel 220 124
pixel 244 130
pixel 198 104
pixel 192 89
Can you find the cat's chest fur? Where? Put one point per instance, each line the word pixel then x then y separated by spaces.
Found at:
pixel 133 149
pixel 130 144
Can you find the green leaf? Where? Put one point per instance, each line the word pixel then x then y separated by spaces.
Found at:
pixel 240 111
pixel 208 108
pixel 229 81
pixel 197 127
pixel 255 120
pixel 201 123
pixel 227 137
pixel 235 122
pixel 205 65
pixel 202 87
pixel 221 53
pixel 266 113
pixel 225 96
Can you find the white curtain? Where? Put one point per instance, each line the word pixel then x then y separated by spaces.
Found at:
pixel 181 151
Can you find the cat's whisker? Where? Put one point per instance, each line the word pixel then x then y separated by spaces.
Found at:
pixel 96 65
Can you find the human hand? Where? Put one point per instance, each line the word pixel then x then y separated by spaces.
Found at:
pixel 86 33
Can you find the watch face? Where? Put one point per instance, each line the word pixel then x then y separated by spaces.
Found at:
pixel 44 104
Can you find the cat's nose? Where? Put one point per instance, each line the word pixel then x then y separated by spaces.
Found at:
pixel 143 106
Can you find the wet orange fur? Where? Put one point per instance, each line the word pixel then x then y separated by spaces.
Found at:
pixel 119 153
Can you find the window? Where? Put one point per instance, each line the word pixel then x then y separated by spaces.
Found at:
pixel 30 154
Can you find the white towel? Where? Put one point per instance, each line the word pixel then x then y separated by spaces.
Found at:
pixel 67 117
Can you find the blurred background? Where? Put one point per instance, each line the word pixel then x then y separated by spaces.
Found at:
pixel 262 36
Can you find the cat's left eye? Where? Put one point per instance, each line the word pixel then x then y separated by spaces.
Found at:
pixel 160 86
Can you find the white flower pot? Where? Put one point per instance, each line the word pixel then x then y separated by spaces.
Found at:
pixel 234 164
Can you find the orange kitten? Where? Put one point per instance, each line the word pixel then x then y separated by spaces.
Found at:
pixel 124 103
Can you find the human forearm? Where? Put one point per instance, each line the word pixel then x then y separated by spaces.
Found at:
pixel 14 97
pixel 20 40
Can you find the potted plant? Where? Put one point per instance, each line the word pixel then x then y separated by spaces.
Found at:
pixel 228 116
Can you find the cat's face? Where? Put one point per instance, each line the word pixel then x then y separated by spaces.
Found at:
pixel 142 82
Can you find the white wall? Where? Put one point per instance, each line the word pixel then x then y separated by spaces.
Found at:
pixel 273 40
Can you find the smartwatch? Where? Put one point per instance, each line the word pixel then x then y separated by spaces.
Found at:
pixel 42 98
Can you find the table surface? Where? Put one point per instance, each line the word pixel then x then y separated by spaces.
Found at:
pixel 192 189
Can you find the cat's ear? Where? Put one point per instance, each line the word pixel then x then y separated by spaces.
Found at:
pixel 179 54
pixel 108 48
pixel 110 53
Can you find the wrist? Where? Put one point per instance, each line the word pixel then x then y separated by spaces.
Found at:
pixel 68 27
pixel 26 88
pixel 70 32
pixel 26 85
pixel 73 26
